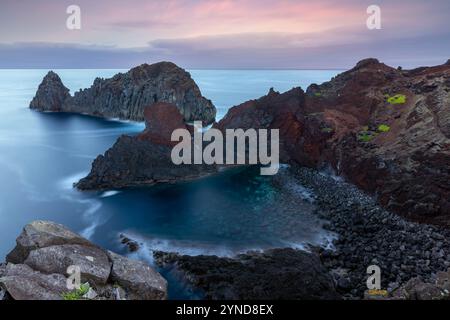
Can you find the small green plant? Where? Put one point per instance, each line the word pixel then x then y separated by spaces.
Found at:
pixel 384 128
pixel 327 130
pixel 318 94
pixel 396 99
pixel 366 136
pixel 77 294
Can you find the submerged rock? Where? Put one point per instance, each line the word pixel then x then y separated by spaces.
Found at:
pixel 280 274
pixel 45 250
pixel 125 95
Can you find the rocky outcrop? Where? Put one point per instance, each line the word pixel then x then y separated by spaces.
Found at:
pixel 279 274
pixel 144 159
pixel 386 130
pixel 37 269
pixel 125 95
pixel 51 94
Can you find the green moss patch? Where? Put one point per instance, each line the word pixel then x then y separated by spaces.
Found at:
pixel 384 128
pixel 396 99
pixel 366 136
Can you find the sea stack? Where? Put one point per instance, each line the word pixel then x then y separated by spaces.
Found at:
pixel 125 95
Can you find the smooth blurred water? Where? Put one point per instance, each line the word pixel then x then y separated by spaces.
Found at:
pixel 42 155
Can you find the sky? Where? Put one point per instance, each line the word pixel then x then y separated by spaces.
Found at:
pixel 223 34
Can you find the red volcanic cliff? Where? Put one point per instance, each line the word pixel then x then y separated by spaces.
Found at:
pixel 386 130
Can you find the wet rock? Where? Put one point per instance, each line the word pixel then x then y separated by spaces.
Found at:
pixel 274 274
pixel 132 245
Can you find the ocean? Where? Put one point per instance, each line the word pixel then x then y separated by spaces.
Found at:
pixel 43 154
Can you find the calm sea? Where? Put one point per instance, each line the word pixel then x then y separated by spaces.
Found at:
pixel 42 155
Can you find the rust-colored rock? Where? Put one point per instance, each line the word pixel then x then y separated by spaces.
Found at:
pixel 161 120
pixel 338 123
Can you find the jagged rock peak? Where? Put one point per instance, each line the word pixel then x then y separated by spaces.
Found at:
pixel 51 94
pixel 125 95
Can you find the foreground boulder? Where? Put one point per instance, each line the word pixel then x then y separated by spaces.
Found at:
pixel 144 159
pixel 37 269
pixel 280 274
pixel 125 95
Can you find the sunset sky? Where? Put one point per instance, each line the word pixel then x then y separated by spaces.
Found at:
pixel 222 33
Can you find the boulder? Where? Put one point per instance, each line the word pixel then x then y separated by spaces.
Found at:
pixel 93 262
pixel 137 278
pixel 416 289
pixel 46 249
pixel 125 95
pixel 23 283
pixel 41 234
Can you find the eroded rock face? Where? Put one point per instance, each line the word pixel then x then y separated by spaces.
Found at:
pixel 42 234
pixel 279 274
pixel 45 250
pixel 144 159
pixel 51 94
pixel 21 282
pixel 125 95
pixel 406 163
pixel 93 262
pixel 143 282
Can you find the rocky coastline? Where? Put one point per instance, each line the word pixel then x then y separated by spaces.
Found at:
pixel 414 258
pixel 384 131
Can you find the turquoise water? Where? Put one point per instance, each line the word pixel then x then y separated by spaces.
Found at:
pixel 41 155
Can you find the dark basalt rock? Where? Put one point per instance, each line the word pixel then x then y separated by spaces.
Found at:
pixel 51 94
pixel 125 95
pixel 279 274
pixel 144 159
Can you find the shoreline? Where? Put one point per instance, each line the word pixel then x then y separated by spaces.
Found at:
pixel 367 235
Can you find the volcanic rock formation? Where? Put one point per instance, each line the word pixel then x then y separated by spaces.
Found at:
pixel 386 130
pixel 144 159
pixel 125 95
